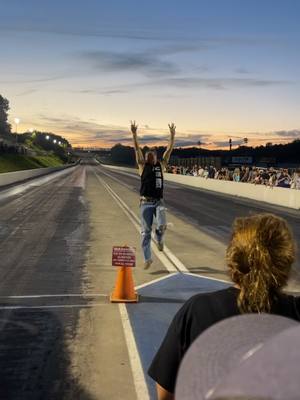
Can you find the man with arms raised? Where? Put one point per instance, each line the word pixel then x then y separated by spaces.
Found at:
pixel 151 192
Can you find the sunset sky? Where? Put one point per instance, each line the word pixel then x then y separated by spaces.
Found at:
pixel 217 68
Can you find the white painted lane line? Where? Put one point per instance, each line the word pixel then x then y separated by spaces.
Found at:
pixel 135 361
pixel 179 265
pixel 169 254
pixel 39 296
pixel 81 179
pixel 174 260
pixel 209 277
pixel 54 306
pixel 132 175
pixel 116 179
pixel 135 221
pixel 162 278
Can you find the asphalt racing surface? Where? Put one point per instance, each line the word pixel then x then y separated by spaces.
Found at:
pixel 39 230
pixel 60 338
pixel 213 213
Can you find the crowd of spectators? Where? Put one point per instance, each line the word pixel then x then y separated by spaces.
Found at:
pixel 259 176
pixel 11 149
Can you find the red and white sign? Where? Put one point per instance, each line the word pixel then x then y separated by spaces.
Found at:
pixel 123 256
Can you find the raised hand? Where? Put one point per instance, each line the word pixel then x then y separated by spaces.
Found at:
pixel 172 129
pixel 133 127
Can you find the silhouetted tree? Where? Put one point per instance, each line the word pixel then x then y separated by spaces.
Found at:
pixel 4 108
pixel 281 153
pixel 123 154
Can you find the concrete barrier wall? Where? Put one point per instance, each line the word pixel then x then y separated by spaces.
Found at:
pixel 9 178
pixel 276 195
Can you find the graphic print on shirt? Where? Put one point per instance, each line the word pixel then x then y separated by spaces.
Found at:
pixel 158 177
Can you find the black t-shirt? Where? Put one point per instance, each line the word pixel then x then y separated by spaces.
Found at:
pixel 152 181
pixel 197 314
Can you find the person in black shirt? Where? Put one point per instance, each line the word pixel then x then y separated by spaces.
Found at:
pixel 259 258
pixel 151 192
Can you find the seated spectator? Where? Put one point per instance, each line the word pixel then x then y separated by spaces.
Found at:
pixel 295 183
pixel 257 179
pixel 205 173
pixel 245 174
pixel 195 170
pixel 228 175
pixel 211 172
pixel 272 177
pixel 259 259
pixel 201 172
pixel 252 175
pixel 279 172
pixel 284 179
pixel 236 175
pixel 223 174
pixel 265 176
pixel 242 173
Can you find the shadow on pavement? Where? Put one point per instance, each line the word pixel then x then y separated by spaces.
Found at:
pixel 34 361
pixel 159 272
pixel 149 299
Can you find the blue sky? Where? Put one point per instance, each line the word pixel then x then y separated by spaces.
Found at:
pixel 217 68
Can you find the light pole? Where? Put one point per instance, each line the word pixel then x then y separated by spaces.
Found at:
pixel 17 121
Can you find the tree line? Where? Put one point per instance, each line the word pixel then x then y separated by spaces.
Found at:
pixel 283 153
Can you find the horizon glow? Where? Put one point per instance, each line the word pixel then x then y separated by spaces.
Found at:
pixel 217 69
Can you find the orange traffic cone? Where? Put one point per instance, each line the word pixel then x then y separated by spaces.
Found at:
pixel 124 289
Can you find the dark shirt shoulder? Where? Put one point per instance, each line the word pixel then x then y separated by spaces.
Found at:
pixel 196 315
pixel 287 306
pixel 203 310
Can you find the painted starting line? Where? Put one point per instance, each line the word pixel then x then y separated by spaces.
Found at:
pixel 144 335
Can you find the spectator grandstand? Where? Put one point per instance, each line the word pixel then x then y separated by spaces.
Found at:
pixel 286 178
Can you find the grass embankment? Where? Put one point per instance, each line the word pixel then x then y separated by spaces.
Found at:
pixel 16 162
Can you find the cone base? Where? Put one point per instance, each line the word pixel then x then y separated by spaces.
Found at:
pixel 116 300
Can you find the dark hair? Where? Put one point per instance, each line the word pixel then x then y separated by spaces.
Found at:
pixel 259 256
pixel 150 152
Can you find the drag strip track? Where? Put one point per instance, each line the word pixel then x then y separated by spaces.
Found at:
pixel 211 212
pixel 43 237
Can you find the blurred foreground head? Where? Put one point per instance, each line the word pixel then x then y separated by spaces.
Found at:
pixel 259 256
pixel 245 357
pixel 151 157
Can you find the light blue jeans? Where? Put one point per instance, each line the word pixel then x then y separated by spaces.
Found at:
pixel 151 211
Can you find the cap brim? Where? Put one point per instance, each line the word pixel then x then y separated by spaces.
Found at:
pixel 271 373
pixel 221 348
